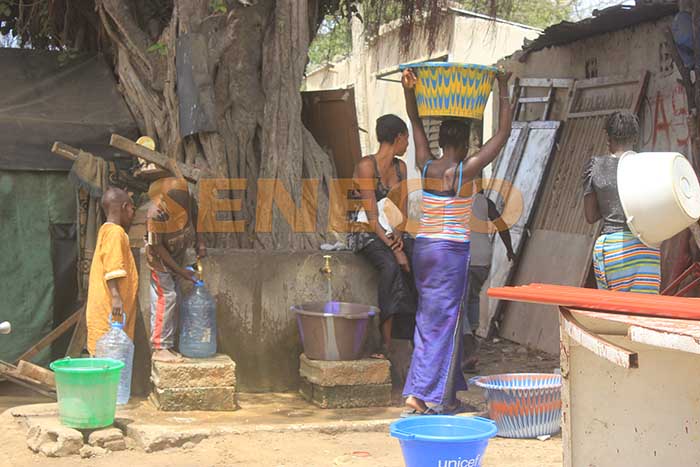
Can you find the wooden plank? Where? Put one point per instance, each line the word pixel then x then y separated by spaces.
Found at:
pixel 603 348
pixel 605 81
pixel 52 336
pixel 664 339
pixel 70 153
pixel 546 82
pixel 78 339
pixel 177 168
pixel 641 92
pixel 9 372
pixel 596 113
pixel 65 150
pixel 36 373
pixel 544 125
pixel 565 359
pixel 534 100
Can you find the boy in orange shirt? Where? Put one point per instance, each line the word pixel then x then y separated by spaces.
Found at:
pixel 113 282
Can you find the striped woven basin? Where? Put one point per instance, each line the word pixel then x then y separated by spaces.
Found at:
pixel 523 405
pixel 454 90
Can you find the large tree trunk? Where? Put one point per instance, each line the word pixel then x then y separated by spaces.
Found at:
pixel 255 64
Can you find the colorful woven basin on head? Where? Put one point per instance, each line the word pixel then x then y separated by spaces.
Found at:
pixel 523 405
pixel 456 90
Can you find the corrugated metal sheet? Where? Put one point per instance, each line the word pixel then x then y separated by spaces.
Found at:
pixel 607 20
pixel 561 205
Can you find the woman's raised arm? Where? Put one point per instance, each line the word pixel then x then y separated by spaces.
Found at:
pixel 423 154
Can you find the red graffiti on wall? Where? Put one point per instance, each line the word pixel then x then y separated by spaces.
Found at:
pixel 675 132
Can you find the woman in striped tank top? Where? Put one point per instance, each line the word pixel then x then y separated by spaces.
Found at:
pixel 441 252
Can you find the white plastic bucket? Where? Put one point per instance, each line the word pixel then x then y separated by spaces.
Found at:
pixel 660 194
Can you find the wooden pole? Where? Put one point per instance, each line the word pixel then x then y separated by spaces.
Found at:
pixel 52 336
pixel 70 153
pixel 177 168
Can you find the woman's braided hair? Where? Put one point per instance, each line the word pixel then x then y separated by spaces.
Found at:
pixel 622 128
pixel 453 133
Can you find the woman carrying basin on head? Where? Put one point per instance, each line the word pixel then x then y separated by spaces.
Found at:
pixel 621 262
pixel 441 251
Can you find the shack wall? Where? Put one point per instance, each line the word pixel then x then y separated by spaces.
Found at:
pixel 628 52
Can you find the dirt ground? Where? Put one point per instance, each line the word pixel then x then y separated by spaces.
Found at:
pixel 284 450
pixel 308 449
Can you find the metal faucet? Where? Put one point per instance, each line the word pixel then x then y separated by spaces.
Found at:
pixel 326 269
pixel 199 269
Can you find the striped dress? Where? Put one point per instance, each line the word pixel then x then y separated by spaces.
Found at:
pixel 440 260
pixel 622 263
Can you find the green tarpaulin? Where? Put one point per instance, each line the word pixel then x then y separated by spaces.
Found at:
pixel 30 203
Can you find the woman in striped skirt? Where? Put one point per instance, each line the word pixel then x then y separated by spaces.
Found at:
pixel 621 262
pixel 441 252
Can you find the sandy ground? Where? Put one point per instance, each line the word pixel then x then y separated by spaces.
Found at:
pixel 282 450
pixel 300 449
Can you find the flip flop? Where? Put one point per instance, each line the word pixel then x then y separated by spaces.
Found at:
pixel 411 413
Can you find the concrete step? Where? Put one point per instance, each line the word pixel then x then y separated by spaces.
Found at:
pixel 202 398
pixel 217 371
pixel 346 397
pixel 364 372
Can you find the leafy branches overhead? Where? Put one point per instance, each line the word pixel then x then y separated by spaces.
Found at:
pixel 538 13
pixel 333 37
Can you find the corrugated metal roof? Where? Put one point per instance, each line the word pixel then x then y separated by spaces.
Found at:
pixel 607 20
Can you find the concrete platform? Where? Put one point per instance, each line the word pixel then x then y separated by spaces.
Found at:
pixel 369 371
pixel 217 371
pixel 346 397
pixel 186 399
pixel 151 430
pixel 195 384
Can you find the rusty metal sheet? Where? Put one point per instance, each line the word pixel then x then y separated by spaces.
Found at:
pixel 596 344
pixel 610 19
pixel 331 118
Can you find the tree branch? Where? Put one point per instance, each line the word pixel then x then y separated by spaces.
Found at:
pixel 133 38
pixel 227 40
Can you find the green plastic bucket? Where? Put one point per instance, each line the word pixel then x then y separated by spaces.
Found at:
pixel 87 391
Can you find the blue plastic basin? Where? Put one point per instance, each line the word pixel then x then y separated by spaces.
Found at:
pixel 443 441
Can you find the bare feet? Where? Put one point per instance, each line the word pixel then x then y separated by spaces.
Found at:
pixel 416 404
pixel 166 355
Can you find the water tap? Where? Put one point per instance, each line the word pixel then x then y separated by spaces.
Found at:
pixel 326 269
pixel 199 268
